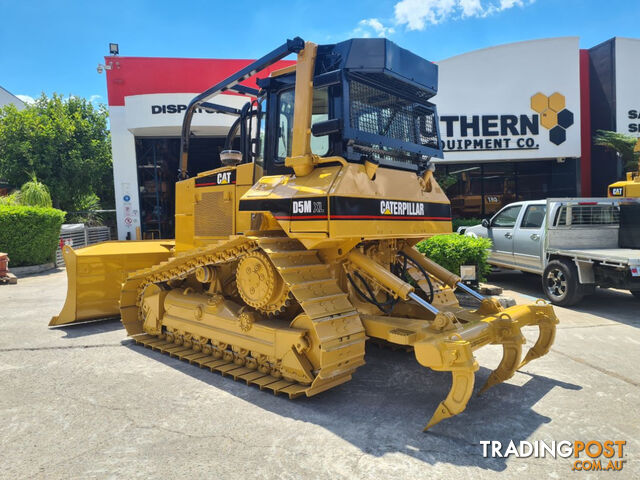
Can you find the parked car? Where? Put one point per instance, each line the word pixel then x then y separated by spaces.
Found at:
pixel 575 244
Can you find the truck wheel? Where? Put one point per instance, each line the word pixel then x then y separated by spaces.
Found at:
pixel 560 283
pixel 635 293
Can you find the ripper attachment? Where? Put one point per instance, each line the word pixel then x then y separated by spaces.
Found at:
pixel 448 341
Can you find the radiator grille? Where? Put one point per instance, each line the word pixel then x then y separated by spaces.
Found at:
pixel 213 216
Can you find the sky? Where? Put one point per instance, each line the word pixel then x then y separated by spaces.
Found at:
pixel 55 46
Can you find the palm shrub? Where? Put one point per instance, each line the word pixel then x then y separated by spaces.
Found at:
pixel 620 143
pixel 35 193
pixel 86 211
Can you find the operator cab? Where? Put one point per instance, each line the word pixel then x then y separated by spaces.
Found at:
pixel 370 103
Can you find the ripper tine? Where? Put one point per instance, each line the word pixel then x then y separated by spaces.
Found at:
pixel 452 350
pixel 547 327
pixel 453 354
pixel 511 354
pixel 462 382
pixel 508 334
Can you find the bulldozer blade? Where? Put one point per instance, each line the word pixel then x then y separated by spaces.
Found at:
pixel 547 336
pixel 462 382
pixel 95 275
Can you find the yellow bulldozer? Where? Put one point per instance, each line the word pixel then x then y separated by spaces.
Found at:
pixel 629 188
pixel 300 248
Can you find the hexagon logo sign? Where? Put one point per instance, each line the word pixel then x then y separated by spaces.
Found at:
pixel 554 116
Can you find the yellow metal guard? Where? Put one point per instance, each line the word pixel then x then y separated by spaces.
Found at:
pixel 95 275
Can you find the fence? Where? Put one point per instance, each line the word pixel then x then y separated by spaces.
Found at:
pixel 79 235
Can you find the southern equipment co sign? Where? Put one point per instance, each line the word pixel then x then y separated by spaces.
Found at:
pixel 534 112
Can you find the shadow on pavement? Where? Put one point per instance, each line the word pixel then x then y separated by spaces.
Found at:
pixel 526 284
pixel 615 305
pixel 85 329
pixel 46 273
pixel 384 408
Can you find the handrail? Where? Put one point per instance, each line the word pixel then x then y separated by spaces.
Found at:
pixel 230 83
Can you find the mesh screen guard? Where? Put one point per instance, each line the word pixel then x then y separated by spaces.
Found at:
pixel 409 124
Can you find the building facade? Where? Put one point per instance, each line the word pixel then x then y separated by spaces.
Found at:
pixel 7 98
pixel 147 98
pixel 510 122
pixel 615 101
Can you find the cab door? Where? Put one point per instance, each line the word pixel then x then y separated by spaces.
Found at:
pixel 527 240
pixel 501 231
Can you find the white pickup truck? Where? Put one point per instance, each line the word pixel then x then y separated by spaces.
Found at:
pixel 575 244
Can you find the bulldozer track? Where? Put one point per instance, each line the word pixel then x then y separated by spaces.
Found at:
pixel 226 368
pixel 335 321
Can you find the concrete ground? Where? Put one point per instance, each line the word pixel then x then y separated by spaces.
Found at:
pixel 84 402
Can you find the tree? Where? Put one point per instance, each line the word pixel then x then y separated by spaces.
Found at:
pixel 620 143
pixel 62 141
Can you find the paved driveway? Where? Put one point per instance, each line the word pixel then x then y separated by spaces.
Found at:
pixel 84 402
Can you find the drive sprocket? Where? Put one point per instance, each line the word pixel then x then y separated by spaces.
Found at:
pixel 260 285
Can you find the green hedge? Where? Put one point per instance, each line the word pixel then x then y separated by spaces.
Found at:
pixel 29 235
pixel 453 250
pixel 465 222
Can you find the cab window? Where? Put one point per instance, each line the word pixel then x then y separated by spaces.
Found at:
pixel 319 113
pixel 259 146
pixel 285 124
pixel 533 216
pixel 507 217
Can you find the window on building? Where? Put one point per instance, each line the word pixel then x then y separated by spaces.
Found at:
pixel 533 179
pixel 499 186
pixel 463 185
pixel 480 190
